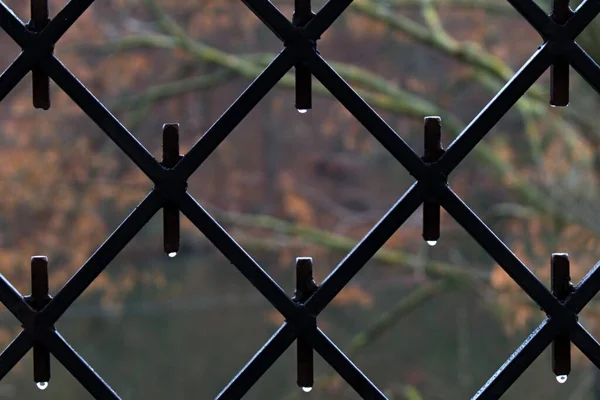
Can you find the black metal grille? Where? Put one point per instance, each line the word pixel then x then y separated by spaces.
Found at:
pixel 38 313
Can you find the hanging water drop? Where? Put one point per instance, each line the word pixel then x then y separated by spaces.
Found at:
pixel 432 242
pixel 172 254
pixel 302 110
pixel 561 378
pixel 42 385
pixel 307 389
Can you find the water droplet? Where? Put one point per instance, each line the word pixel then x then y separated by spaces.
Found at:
pixel 172 254
pixel 432 242
pixel 307 389
pixel 42 385
pixel 561 378
pixel 302 110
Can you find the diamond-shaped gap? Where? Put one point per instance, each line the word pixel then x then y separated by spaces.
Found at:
pixel 574 190
pixel 419 337
pixel 173 318
pixel 525 194
pixel 500 306
pixel 127 78
pixel 301 188
pixel 409 82
pixel 86 184
pixel 144 71
pixel 514 163
pixel 492 37
pixel 212 30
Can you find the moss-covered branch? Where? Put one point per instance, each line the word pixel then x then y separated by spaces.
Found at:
pixel 320 237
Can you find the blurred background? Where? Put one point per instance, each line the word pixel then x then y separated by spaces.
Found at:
pixel 422 322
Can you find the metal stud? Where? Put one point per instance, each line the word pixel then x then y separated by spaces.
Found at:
pixel 559 71
pixel 305 288
pixel 171 217
pixel 40 81
pixel 561 286
pixel 432 152
pixel 302 16
pixel 38 299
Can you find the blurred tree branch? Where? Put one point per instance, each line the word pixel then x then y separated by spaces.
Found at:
pixel 377 91
pixel 398 258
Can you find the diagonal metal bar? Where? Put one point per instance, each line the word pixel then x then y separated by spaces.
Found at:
pixel 272 18
pixel 367 247
pixel 78 367
pixel 495 109
pixel 15 72
pixel 65 18
pixel 536 17
pixel 584 14
pixel 13 25
pixel 104 119
pixel 342 364
pixel 585 290
pixel 365 114
pixel 14 352
pixel 518 362
pixel 236 255
pixel 101 258
pixel 498 250
pixel 325 18
pixel 234 114
pixel 585 66
pixel 259 364
pixel 13 300
pixel 586 343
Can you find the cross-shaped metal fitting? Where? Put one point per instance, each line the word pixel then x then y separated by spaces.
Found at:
pixel 559 71
pixel 171 217
pixel 561 287
pixel 432 152
pixel 305 288
pixel 40 81
pixel 38 299
pixel 302 16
